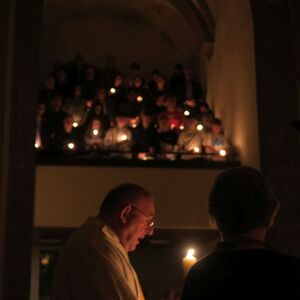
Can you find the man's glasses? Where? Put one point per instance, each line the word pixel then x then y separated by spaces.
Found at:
pixel 150 219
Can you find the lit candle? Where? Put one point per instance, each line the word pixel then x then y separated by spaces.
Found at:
pixel 37 145
pixel 188 261
pixel 71 146
pixel 186 113
pixel 95 132
pixel 223 152
pixel 123 137
pixel 196 149
pixel 75 124
pixel 181 127
pixel 134 125
pixel 139 99
pixel 172 126
pixel 199 127
pixel 112 91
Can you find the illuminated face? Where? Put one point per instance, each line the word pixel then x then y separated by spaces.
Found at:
pixel 96 124
pixel 101 94
pixel 140 222
pixel 68 124
pixel 216 129
pixel 164 124
pixel 77 91
pixel 49 83
pixel 190 124
pixel 138 82
pixel 147 120
pixel 118 81
pixel 121 122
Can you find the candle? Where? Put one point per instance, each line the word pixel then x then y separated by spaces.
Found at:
pixel 181 127
pixel 37 145
pixel 123 137
pixel 199 127
pixel 223 152
pixel 75 124
pixel 71 146
pixel 188 261
pixel 112 91
pixel 95 132
pixel 186 113
pixel 196 149
pixel 139 98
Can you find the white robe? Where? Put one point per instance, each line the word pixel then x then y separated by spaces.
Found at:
pixel 94 265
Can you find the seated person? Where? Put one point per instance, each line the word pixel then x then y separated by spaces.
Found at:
pixel 166 137
pixel 97 112
pixel 117 92
pixel 55 115
pixel 63 86
pixel 139 87
pixel 206 121
pixel 94 136
pixel 215 140
pixel 119 138
pixel 131 107
pixel 190 139
pixel 76 107
pixel 175 115
pixel 144 136
pixel 160 88
pixel 68 138
pixel 89 84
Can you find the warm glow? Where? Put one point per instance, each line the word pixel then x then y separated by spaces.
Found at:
pixel 199 127
pixel 181 127
pixel 196 149
pixel 95 132
pixel 112 91
pixel 186 113
pixel 37 145
pixel 223 152
pixel 71 146
pixel 134 125
pixel 139 99
pixel 188 261
pixel 124 137
pixel 75 124
pixel 190 253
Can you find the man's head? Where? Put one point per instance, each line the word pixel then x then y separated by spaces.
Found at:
pixel 121 121
pixel 241 202
pixel 216 126
pixel 129 210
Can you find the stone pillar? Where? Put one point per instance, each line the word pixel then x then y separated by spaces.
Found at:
pixel 277 109
pixel 20 23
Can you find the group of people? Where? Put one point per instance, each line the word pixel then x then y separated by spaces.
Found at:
pixel 82 108
pixel 94 263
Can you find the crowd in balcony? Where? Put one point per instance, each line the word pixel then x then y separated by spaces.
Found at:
pixel 83 109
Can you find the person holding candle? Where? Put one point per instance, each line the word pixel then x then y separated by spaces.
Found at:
pixel 119 138
pixel 94 263
pixel 215 141
pixel 243 266
pixel 94 136
pixel 190 139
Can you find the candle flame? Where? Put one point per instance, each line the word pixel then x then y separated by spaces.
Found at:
pixel 199 127
pixel 190 253
pixel 112 91
pixel 223 152
pixel 181 127
pixel 95 132
pixel 186 113
pixel 71 146
pixel 139 98
pixel 37 145
pixel 75 124
pixel 196 149
pixel 124 137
